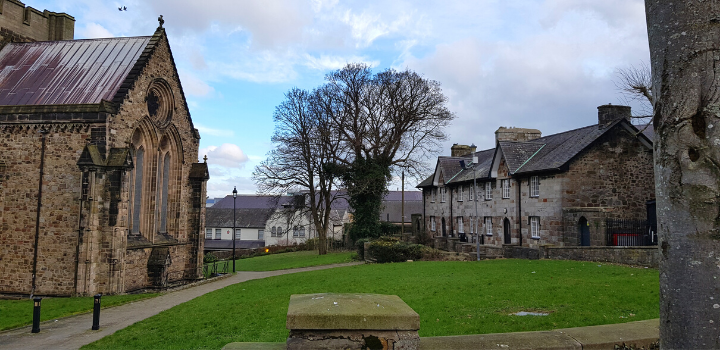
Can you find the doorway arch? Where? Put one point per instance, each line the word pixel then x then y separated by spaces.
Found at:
pixel 584 231
pixel 506 231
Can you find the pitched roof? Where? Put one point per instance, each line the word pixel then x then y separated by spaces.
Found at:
pixel 245 217
pixel 427 182
pixel 482 168
pixel 67 71
pixel 517 153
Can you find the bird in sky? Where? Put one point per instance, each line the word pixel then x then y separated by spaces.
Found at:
pixel 122 8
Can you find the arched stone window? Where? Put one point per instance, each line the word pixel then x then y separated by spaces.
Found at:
pixel 164 193
pixel 137 191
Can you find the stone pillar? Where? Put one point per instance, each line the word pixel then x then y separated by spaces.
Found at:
pixel 351 321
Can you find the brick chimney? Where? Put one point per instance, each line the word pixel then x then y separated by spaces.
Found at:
pixel 462 150
pixel 609 113
pixel 516 134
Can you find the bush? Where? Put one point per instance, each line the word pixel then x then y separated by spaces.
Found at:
pixel 210 258
pixel 386 250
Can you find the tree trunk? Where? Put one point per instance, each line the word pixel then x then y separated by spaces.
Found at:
pixel 684 37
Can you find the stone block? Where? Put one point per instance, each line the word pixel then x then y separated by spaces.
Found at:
pixel 351 321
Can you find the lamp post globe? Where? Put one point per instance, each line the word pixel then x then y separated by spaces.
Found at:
pixel 234 193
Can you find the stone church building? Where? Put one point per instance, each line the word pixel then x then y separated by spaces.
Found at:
pixel 100 188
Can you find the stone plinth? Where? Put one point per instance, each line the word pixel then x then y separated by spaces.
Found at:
pixel 351 321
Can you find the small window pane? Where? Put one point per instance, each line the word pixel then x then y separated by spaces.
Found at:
pixel 261 234
pixel 208 233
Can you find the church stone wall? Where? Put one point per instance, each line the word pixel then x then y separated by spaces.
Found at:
pixel 19 23
pixel 21 145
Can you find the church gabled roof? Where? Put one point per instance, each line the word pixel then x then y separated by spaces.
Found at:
pixel 68 71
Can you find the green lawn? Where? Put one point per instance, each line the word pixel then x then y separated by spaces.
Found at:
pixel 18 313
pixel 451 297
pixel 291 260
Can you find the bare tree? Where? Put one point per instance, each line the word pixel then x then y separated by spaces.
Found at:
pixel 635 84
pixel 684 49
pixel 304 145
pixel 386 122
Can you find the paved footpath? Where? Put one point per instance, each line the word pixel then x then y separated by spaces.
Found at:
pixel 74 332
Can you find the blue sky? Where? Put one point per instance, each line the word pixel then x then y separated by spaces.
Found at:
pixel 523 63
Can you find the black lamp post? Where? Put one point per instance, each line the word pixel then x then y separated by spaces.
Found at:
pixel 233 232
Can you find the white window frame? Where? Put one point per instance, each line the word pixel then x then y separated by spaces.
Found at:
pixel 302 231
pixel 218 233
pixel 261 235
pixel 488 226
pixel 461 224
pixel 488 190
pixel 535 227
pixel 208 233
pixel 461 193
pixel 238 235
pixel 471 193
pixel 534 186
pixel 506 188
pixel 443 191
pixel 432 224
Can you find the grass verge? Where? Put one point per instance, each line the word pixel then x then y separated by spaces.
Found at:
pixel 290 260
pixel 18 313
pixel 452 298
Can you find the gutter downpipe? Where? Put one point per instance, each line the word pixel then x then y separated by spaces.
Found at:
pixel 43 132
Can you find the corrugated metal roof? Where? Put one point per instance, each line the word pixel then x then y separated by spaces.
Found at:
pixel 66 72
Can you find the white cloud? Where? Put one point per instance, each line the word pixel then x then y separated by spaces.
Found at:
pixel 326 62
pixel 227 155
pixel 94 30
pixel 194 86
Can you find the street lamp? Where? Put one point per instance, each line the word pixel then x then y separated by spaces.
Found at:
pixel 475 223
pixel 234 192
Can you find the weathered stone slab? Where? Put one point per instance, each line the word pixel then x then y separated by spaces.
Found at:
pixel 331 311
pixel 351 321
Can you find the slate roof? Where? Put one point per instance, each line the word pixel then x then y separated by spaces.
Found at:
pixel 244 218
pixel 548 153
pixel 67 71
pixel 482 168
pixel 427 182
pixel 253 202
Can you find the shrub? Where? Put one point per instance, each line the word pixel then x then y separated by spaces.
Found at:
pixel 386 250
pixel 210 258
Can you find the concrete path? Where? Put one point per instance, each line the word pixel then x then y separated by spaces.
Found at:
pixel 74 332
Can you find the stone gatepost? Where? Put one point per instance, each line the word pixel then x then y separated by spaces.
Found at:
pixel 351 321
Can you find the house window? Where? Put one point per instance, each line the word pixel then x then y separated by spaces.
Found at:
pixel 461 226
pixel 472 224
pixel 273 232
pixel 302 231
pixel 506 188
pixel 208 233
pixel 470 194
pixel 261 234
pixel 433 194
pixel 432 223
pixel 442 194
pixel 237 233
pixel 488 191
pixel 534 186
pixel 488 226
pixel 461 193
pixel 296 233
pixel 535 226
pixel 218 233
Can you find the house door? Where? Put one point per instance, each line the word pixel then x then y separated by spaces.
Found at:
pixel 506 231
pixel 584 232
pixel 444 233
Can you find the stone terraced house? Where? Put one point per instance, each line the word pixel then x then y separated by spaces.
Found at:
pixel 533 191
pixel 100 187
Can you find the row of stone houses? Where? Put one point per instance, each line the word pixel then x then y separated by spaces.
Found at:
pixel 100 186
pixel 271 220
pixel 532 190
